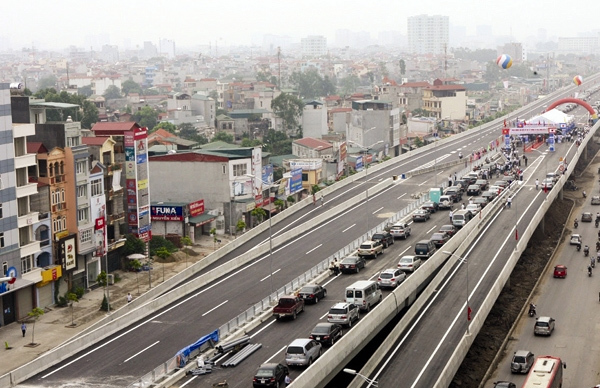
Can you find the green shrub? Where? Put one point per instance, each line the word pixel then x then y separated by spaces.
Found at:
pixel 62 301
pixel 79 291
pixel 104 305
pixel 158 242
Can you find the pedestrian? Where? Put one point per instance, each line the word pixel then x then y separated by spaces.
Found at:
pixel 525 159
pixel 537 184
pixel 314 199
pixel 521 176
pixel 287 379
pixel 462 206
pixel 23 328
pixel 455 177
pixel 449 180
pixel 451 214
pixel 508 201
pixel 322 199
pixel 129 297
pixel 471 201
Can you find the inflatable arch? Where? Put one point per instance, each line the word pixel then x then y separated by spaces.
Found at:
pixel 577 101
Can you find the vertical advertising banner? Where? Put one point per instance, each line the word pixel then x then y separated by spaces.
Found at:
pixel 296 181
pixel 257 173
pixel 68 253
pixel 136 182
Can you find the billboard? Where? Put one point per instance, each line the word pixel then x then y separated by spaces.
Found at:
pixel 196 208
pixel 67 253
pixel 257 189
pixel 137 185
pixel 267 174
pixel 166 213
pixel 359 163
pixel 296 181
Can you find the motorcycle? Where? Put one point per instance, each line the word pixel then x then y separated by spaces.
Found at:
pixel 589 271
pixel 576 224
pixel 532 311
pixel 586 251
pixel 578 247
pixel 597 222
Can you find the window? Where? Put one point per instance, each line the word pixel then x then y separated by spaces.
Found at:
pixel 26 264
pixel 59 224
pixel 239 170
pixel 72 141
pixel 85 236
pixel 224 169
pixel 55 197
pixel 81 191
pixel 82 215
pixel 81 167
pixel 2 240
pixel 96 187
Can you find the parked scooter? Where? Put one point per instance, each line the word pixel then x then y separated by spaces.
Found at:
pixel 532 311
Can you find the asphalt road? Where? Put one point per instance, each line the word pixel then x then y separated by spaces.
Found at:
pixel 574 303
pixel 141 347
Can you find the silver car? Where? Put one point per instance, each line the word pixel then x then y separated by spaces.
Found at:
pixel 391 278
pixel 303 352
pixel 409 263
pixel 543 326
pixel 343 313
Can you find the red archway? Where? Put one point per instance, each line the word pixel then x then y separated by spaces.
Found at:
pixel 575 101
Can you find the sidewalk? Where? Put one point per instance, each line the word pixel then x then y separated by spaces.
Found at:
pixel 54 327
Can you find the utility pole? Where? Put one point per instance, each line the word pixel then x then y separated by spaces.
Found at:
pixel 279 67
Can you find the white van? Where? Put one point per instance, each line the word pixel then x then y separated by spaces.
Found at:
pixel 461 217
pixel 364 294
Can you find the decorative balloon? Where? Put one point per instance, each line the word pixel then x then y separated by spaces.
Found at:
pixel 504 61
pixel 578 80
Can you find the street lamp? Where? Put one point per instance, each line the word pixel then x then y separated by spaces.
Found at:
pixel 366 150
pixel 463 260
pixel 368 380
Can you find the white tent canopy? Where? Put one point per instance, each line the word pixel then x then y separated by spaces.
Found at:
pixel 553 116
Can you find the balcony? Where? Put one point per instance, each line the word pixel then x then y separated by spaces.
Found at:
pixel 25 161
pixel 23 130
pixel 30 248
pixel 28 219
pixel 26 190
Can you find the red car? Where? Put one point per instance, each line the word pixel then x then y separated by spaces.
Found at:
pixel 560 271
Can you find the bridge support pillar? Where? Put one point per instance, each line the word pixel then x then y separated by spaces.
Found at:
pixel 584 154
pixel 560 194
pixel 541 225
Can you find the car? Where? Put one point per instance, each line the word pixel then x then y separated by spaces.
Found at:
pixel 587 217
pixel 548 183
pixel 343 314
pixel 326 333
pixel 409 263
pixel 455 192
pixel 312 293
pixel 560 271
pixel 596 200
pixel 391 277
pixel 370 248
pixel 400 229
pixel 483 184
pixel 352 264
pixel 522 361
pixel 462 184
pixel 504 384
pixel 420 215
pixel 481 201
pixel 575 239
pixel 544 326
pixel 474 190
pixel 430 206
pixel 270 375
pixel 495 189
pixel 502 183
pixel 552 175
pixel 473 208
pixel 384 237
pixel 446 202
pixel 490 195
pixel 450 230
pixel 439 239
pixel 302 352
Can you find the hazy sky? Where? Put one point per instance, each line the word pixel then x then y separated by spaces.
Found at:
pixel 58 24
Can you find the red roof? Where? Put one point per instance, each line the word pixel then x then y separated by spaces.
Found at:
pixel 36 147
pixel 338 110
pixel 188 157
pixel 93 141
pixel 332 98
pixel 162 133
pixel 386 80
pixel 114 128
pixel 446 87
pixel 313 143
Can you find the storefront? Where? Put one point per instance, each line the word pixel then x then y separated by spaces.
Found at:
pixel 45 288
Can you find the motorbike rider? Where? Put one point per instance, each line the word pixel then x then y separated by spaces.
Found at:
pixel 532 308
pixel 589 270
pixel 586 250
pixel 576 223
pixel 460 155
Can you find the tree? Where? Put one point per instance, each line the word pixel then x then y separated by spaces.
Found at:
pixel 146 117
pixel 85 90
pixel 277 143
pixel 163 253
pixel 240 226
pixel 349 84
pixel 310 84
pixel 289 109
pixel 133 245
pixel 130 86
pixel 213 232
pixel 102 279
pixel 402 65
pixel 214 95
pixel 250 143
pixel 36 313
pixel 167 126
pixel 90 112
pixel 187 242
pixel 46 82
pixel 259 213
pixel 136 265
pixel 223 136
pixel 90 115
pixel 112 92
pixel 72 298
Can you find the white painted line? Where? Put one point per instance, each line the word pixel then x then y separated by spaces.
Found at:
pixel 376 211
pixel 315 248
pixel 263 328
pixel 348 228
pixel 273 356
pixel 330 280
pixel 404 251
pixel 187 382
pixel 401 196
pixel 141 351
pixel 421 184
pixel 434 226
pixel 324 315
pixel 214 308
pixel 374 275
pixel 268 276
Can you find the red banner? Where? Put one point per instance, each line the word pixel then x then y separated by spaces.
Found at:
pixel 196 208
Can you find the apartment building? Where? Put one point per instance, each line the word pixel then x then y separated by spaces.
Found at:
pixel 428 34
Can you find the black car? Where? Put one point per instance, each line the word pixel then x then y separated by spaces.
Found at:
pixel 386 238
pixel 326 333
pixel 439 239
pixel 450 230
pixel 504 384
pixel 454 192
pixel 430 206
pixel 481 201
pixel 312 293
pixel 473 190
pixel 352 264
pixel 586 217
pixel 483 184
pixel 270 375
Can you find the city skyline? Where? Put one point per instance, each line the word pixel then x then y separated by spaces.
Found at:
pixel 193 24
